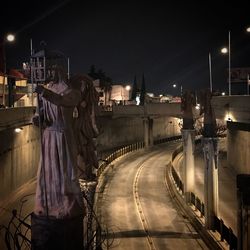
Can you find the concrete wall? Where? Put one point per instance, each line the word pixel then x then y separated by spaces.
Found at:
pixel 121 131
pixel 20 152
pixel 238 150
pixel 19 156
pixel 237 108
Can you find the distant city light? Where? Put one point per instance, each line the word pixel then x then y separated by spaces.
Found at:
pixel 248 29
pixel 223 93
pixel 128 87
pixel 137 99
pixel 224 50
pixel 18 130
pixel 10 38
pixel 174 85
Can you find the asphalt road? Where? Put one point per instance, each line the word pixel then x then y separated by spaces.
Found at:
pixel 136 207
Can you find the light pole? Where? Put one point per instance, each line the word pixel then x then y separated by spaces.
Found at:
pixel 248 31
pixel 210 72
pixel 8 38
pixel 175 86
pixel 226 50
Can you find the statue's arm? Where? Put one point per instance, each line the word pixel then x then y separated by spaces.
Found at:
pixel 39 115
pixel 70 98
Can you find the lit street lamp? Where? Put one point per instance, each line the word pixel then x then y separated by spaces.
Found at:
pixel 176 85
pixel 8 38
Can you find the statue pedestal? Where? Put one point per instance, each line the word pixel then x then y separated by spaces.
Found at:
pixel 49 233
pixel 210 149
pixel 188 136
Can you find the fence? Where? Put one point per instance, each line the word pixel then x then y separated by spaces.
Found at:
pixel 130 148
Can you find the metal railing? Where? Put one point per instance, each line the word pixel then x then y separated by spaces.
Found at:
pixel 122 151
pixel 130 148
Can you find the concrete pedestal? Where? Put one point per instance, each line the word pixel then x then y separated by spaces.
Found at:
pixel 148 132
pixel 49 233
pixel 210 149
pixel 188 136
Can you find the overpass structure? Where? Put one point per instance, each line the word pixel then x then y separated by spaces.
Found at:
pixel 234 110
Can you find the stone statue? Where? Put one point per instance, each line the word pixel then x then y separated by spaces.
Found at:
pixel 187 104
pixel 209 116
pixel 87 130
pixel 58 193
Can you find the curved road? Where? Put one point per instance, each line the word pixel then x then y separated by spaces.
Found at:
pixel 136 207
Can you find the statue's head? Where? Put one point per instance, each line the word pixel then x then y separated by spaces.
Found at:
pixel 81 82
pixel 56 67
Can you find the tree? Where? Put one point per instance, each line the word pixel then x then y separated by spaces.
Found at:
pixel 134 90
pixel 105 81
pixel 143 91
pixel 92 72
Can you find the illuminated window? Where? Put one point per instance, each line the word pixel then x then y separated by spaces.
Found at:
pixel 21 83
pixel 2 79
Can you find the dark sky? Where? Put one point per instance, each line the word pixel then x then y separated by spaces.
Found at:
pixel 168 41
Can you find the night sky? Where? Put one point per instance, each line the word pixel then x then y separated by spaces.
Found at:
pixel 168 41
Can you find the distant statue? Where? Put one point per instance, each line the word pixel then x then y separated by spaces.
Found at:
pixel 209 116
pixel 58 193
pixel 86 127
pixel 187 104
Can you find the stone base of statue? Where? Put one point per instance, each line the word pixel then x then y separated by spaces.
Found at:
pixel 48 233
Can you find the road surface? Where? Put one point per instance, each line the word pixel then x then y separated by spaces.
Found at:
pixel 136 208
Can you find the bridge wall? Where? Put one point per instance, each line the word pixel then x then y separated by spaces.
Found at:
pixel 238 153
pixel 121 131
pixel 19 156
pixel 20 152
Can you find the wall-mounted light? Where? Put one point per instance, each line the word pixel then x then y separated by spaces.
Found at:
pixel 18 130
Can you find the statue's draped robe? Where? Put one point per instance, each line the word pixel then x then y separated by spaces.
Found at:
pixel 88 131
pixel 187 104
pixel 59 152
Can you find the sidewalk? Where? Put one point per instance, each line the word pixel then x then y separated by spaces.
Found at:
pixel 227 183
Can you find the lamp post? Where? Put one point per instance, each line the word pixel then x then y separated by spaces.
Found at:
pixel 210 72
pixel 8 38
pixel 226 50
pixel 175 86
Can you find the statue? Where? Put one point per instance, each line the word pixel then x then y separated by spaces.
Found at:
pixel 58 192
pixel 209 116
pixel 86 127
pixel 187 103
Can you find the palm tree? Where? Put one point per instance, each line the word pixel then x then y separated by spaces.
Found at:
pixel 105 81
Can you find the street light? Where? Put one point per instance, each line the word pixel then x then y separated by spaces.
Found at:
pixel 8 38
pixel 128 87
pixel 226 50
pixel 175 86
